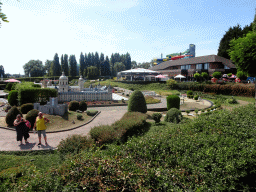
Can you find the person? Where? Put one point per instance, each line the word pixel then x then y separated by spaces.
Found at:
pixel 21 129
pixel 40 126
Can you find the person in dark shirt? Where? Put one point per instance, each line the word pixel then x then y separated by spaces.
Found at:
pixel 21 129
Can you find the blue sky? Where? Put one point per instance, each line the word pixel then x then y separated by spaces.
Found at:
pixel 145 28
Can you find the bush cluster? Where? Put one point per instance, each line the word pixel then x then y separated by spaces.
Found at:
pixel 173 101
pixel 171 83
pixel 73 106
pixel 157 117
pixel 74 144
pixel 132 123
pixel 91 112
pixel 79 116
pixel 11 115
pixel 173 115
pixel 82 106
pixel 25 108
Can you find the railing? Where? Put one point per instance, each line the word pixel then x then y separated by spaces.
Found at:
pixel 149 93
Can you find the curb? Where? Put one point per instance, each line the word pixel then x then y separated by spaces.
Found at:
pixel 165 109
pixel 11 129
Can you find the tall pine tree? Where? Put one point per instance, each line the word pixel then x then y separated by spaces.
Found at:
pixel 101 62
pixel 72 66
pixel 89 59
pixel 61 63
pixel 57 65
pixel 82 64
pixel 128 61
pixel 65 66
pixel 112 62
pixel 97 62
pixel 92 59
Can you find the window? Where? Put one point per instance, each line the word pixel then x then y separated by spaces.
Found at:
pixel 199 66
pixel 206 66
pixel 183 67
pixel 226 67
pixel 188 66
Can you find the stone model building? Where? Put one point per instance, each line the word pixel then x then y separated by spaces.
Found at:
pixel 79 93
pixel 52 107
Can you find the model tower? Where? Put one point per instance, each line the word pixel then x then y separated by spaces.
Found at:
pixel 63 83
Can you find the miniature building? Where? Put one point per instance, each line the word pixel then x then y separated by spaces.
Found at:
pixel 79 93
pixel 52 107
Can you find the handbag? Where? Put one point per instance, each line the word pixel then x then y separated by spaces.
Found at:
pixel 28 124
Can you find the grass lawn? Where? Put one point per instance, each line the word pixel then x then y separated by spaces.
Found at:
pixel 58 123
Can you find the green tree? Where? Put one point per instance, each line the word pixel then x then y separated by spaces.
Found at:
pixel 233 32
pixel 2 15
pixel 35 68
pixel 65 67
pixel 101 64
pixel 118 66
pixel 97 62
pixel 89 60
pixel 92 72
pixel 133 64
pixel 105 68
pixel 197 76
pixel 128 61
pixel 254 23
pixel 241 75
pixel 204 75
pixel 52 69
pixel 61 63
pixel 72 66
pixel 47 67
pixel 57 65
pixel 217 74
pixel 82 64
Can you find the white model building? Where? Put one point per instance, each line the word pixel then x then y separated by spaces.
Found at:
pixel 79 93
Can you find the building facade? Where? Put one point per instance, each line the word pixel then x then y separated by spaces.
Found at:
pixel 190 66
pixel 79 93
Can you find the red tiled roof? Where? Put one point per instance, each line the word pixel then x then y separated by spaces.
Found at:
pixel 194 60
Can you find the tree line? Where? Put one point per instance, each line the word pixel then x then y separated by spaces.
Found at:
pixel 90 65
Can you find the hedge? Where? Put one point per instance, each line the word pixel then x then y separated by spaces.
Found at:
pixel 35 95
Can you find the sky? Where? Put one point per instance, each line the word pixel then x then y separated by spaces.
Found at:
pixel 38 29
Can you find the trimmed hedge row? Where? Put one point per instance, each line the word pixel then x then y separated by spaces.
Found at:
pixel 35 95
pixel 225 89
pixel 132 123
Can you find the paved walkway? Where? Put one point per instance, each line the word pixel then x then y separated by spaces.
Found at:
pixel 107 116
pixel 8 138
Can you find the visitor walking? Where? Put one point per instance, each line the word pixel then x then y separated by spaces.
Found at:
pixel 40 126
pixel 21 129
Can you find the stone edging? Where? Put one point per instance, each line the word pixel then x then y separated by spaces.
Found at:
pixel 165 109
pixel 11 129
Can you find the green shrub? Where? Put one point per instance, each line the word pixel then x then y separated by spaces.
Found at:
pixel 157 117
pixel 103 134
pixel 190 92
pixel 36 85
pixel 187 111
pixel 74 144
pixel 137 102
pixel 79 116
pixel 231 101
pixel 13 86
pixel 196 111
pixel 91 112
pixel 31 116
pixel 73 105
pixel 13 98
pixel 11 115
pixel 217 74
pixel 241 75
pixel 171 83
pixel 173 115
pixel 196 97
pixel 9 86
pixel 82 106
pixel 173 101
pixel 25 108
